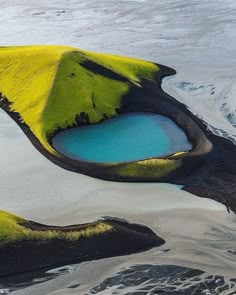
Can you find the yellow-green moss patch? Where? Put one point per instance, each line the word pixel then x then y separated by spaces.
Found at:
pixel 14 229
pixel 49 86
pixel 156 168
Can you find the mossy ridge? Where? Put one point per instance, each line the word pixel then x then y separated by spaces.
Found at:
pixel 149 168
pixel 72 88
pixel 14 229
pixel 27 246
pixel 31 78
pixel 81 90
pixel 26 77
pixel 134 69
pixel 84 91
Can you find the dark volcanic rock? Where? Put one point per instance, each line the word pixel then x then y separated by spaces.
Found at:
pixel 32 254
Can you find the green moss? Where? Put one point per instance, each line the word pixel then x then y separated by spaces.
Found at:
pixel 13 229
pixel 77 90
pixel 156 168
pixel 49 85
pixel 133 69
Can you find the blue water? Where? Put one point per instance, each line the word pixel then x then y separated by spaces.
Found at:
pixel 128 137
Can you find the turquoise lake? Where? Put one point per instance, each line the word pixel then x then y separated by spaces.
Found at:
pixel 128 137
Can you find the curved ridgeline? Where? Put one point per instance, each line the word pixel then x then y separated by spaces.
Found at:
pixel 26 245
pixel 47 89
